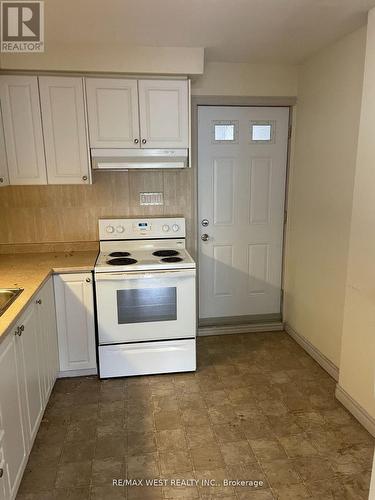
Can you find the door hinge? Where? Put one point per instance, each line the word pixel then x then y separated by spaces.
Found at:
pixel 290 131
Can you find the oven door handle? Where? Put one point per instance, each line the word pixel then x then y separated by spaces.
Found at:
pixel 186 273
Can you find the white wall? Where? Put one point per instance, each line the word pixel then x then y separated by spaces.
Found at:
pixel 111 58
pixel 239 79
pixel 357 366
pixel 321 188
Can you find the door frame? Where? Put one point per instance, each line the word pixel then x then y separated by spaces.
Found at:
pixel 238 101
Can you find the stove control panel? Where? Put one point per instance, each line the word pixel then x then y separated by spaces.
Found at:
pixel 136 229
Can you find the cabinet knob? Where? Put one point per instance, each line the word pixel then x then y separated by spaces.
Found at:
pixel 19 330
pixel 136 141
pixel 144 141
pixel 1 473
pixel 1 180
pixel 39 301
pixel 84 178
pixel 88 280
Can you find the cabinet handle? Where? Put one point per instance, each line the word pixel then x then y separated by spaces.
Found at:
pixel 19 330
pixel 88 280
pixel 39 301
pixel 1 472
pixel 1 181
pixel 144 141
pixel 84 178
pixel 136 141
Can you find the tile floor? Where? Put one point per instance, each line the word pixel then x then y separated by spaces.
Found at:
pixel 258 408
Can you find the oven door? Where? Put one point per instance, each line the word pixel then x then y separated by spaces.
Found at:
pixel 135 307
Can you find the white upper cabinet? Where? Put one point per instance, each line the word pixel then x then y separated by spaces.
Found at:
pixel 23 129
pixel 65 130
pixel 4 175
pixel 164 113
pixel 112 113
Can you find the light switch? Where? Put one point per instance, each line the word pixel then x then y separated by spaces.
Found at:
pixel 151 199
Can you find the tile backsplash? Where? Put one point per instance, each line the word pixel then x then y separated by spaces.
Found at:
pixel 69 213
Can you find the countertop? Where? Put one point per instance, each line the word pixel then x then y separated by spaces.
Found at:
pixel 30 271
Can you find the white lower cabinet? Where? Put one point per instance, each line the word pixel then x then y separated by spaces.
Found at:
pixel 28 367
pixel 75 323
pixel 12 406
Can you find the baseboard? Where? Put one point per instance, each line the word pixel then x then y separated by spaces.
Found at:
pixel 205 331
pixel 319 357
pixel 356 410
pixel 78 373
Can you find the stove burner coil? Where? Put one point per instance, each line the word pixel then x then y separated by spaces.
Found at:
pixel 172 259
pixel 165 253
pixel 122 261
pixel 119 254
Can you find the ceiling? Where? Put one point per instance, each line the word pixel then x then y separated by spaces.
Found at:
pixel 278 31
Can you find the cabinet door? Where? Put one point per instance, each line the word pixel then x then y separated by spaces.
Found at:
pixel 30 361
pixel 23 129
pixel 4 175
pixel 4 481
pixel 164 113
pixel 75 321
pixel 45 307
pixel 11 419
pixel 112 105
pixel 65 130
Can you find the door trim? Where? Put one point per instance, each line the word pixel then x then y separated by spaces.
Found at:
pixel 246 101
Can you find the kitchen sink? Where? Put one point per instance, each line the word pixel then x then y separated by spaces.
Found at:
pixel 7 296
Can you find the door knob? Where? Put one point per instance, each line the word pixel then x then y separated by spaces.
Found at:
pixel 204 222
pixel 204 237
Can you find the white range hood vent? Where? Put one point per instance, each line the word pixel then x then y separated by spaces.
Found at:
pixel 126 159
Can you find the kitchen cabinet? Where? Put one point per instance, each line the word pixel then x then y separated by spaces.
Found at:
pixel 75 323
pixel 4 477
pixel 47 328
pixel 26 352
pixel 4 175
pixel 125 113
pixel 29 358
pixel 20 107
pixel 112 105
pixel 12 427
pixel 164 113
pixel 65 130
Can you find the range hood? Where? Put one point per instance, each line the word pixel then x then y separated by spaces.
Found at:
pixel 126 159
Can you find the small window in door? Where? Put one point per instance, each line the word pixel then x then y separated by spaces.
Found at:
pixel 225 132
pixel 262 132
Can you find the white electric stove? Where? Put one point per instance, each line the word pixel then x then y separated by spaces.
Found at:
pixel 145 297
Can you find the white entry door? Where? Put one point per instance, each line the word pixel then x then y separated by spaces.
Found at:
pixel 242 157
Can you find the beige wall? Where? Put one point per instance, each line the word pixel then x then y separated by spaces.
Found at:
pixel 70 213
pixel 357 367
pixel 238 79
pixel 321 188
